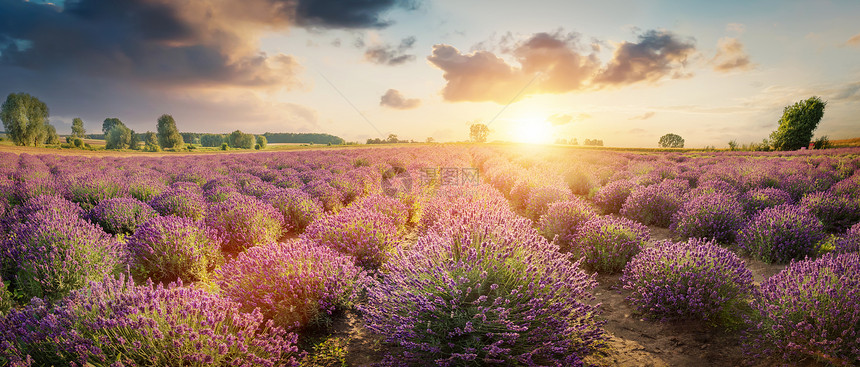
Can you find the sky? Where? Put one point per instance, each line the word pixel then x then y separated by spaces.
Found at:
pixel 625 72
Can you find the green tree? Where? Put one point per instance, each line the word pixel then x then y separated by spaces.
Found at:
pixel 168 134
pixel 51 136
pixel 78 130
pixel 797 124
pixel 211 140
pixel 671 141
pixel 262 141
pixel 109 123
pixel 478 133
pixel 118 137
pixel 733 145
pixel 150 141
pixel 24 118
pixel 134 142
pixel 240 140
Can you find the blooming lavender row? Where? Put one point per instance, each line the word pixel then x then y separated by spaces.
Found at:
pixel 782 233
pixel 606 244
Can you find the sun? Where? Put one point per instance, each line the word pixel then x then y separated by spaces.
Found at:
pixel 533 131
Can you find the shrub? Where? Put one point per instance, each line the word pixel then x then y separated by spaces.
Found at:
pixel 471 301
pixel 297 207
pixel 836 212
pixel 366 235
pixel 810 309
pixel 180 202
pixel 168 248
pixel 578 181
pixel 717 216
pixel 608 243
pixel 295 283
pixel 391 207
pixel 611 197
pixel 55 252
pixel 88 190
pixel 145 189
pixel 850 241
pixel 244 221
pixel 656 204
pixel 540 198
pixel 780 234
pixel 688 280
pixel 114 322
pixel 759 199
pixel 330 197
pixel 563 220
pixel 121 215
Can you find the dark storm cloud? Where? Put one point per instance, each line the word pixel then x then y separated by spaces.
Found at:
pixel 390 54
pixel 204 42
pixel 658 54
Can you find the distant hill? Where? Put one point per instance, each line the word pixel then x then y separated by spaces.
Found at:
pixel 316 138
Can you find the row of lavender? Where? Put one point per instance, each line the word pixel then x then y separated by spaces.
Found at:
pixel 775 209
pixel 479 285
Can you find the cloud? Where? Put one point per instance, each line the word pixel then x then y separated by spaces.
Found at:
pixel 394 99
pixel 564 119
pixel 737 28
pixel 657 55
pixel 853 41
pixel 645 116
pixel 730 56
pixel 389 54
pixel 848 92
pixel 171 43
pixel 548 63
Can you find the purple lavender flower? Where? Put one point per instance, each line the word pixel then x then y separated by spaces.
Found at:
pixel 718 216
pixel 366 235
pixel 121 215
pixel 836 212
pixel 607 244
pixel 296 283
pixel 297 207
pixel 180 202
pixel 563 220
pixel 656 204
pixel 849 241
pixel 781 233
pixel 611 197
pixel 542 197
pixel 759 199
pixel 391 207
pixel 89 189
pixel 810 309
pixel 244 221
pixel 169 248
pixel 688 280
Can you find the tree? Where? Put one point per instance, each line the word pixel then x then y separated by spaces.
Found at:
pixel 211 140
pixel 392 138
pixel 430 139
pixel 109 123
pixel 478 133
pixel 797 124
pixel 733 145
pixel 238 139
pixel 150 141
pixel 134 142
pixel 24 118
pixel 671 141
pixel 262 141
pixel 118 137
pixel 78 130
pixel 168 134
pixel 51 136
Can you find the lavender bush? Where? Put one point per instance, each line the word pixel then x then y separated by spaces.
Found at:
pixel 366 235
pixel 849 241
pixel 607 244
pixel 114 322
pixel 165 249
pixel 296 283
pixel 836 212
pixel 297 207
pixel 121 215
pixel 656 204
pixel 717 216
pixel 562 221
pixel 391 207
pixel 244 221
pixel 541 198
pixel 611 197
pixel 760 199
pixel 180 202
pixel 451 301
pixel 689 280
pixel 811 309
pixel 780 234
pixel 55 252
pixel 90 189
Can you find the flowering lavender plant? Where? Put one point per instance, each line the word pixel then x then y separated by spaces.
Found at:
pixel 297 207
pixel 296 283
pixel 180 202
pixel 836 212
pixel 88 190
pixel 452 301
pixel 391 207
pixel 780 234
pixel 541 198
pixel 611 197
pixel 607 244
pixel 121 215
pixel 563 220
pixel 718 216
pixel 688 280
pixel 760 199
pixel 169 248
pixel 849 241
pixel 656 204
pixel 55 252
pixel 114 322
pixel 244 221
pixel 810 309
pixel 366 235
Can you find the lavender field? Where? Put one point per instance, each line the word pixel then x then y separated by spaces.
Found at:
pixel 448 255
